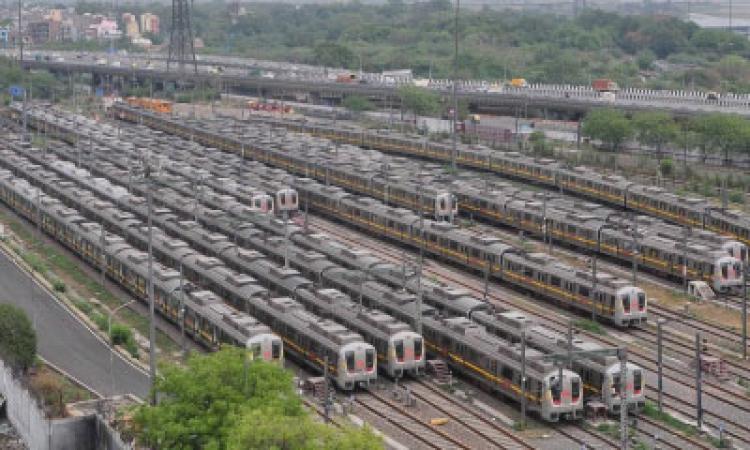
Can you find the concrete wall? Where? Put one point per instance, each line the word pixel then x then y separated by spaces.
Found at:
pixel 39 433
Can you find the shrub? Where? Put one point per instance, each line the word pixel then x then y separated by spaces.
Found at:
pixel 17 338
pixel 120 334
pixel 59 286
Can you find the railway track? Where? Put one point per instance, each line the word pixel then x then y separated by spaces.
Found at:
pixel 499 299
pixel 684 407
pixel 470 419
pixel 408 422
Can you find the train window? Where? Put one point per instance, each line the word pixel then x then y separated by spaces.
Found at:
pixel 616 384
pixel 625 302
pixel 556 389
pixel 641 300
pixel 583 290
pixel 743 254
pixel 507 373
pixel 283 199
pixel 417 349
pixel 725 270
pixel 554 281
pixel 399 350
pixel 369 359
pixel 737 269
pixel 294 198
pixel 276 349
pixel 575 388
pixel 637 381
pixel 350 361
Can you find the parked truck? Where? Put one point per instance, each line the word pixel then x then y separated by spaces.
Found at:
pixel 346 78
pixel 604 85
pixel 519 82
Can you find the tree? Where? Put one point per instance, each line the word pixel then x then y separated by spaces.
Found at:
pixel 262 428
pixel 220 401
pixel 723 132
pixel 655 128
pixel 357 103
pixel 609 126
pixel 419 101
pixel 17 338
pixel 332 54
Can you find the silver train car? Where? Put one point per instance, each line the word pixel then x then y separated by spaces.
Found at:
pixel 207 319
pixel 339 344
pixel 400 351
pixel 553 394
pixel 388 297
pixel 600 374
pixel 623 307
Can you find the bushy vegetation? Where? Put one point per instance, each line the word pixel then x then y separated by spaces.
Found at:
pixel 17 338
pixel 219 401
pixel 39 84
pixel 724 134
pixel 494 43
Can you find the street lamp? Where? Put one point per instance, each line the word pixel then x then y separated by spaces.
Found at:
pixel 112 343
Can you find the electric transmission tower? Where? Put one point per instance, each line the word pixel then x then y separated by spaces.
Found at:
pixel 181 48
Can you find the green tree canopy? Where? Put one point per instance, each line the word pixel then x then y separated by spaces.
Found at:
pixel 724 133
pixel 655 128
pixel 17 338
pixel 357 103
pixel 609 126
pixel 332 54
pixel 419 101
pixel 219 402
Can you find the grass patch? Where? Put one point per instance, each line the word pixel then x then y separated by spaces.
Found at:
pixel 652 411
pixel 590 326
pixel 66 274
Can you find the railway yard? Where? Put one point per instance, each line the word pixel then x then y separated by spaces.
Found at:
pixel 505 303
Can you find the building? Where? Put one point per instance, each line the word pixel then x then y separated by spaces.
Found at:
pixel 738 25
pixel 105 29
pixel 131 25
pixel 38 32
pixel 149 23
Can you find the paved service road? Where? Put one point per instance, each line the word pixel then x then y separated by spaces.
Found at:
pixel 65 341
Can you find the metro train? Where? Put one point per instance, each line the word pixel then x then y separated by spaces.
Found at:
pixel 456 301
pixel 615 300
pixel 721 272
pixel 550 398
pixel 307 337
pixel 210 272
pixel 207 318
pixel 692 210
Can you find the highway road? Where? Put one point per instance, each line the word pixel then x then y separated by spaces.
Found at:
pixel 67 342
pixel 288 79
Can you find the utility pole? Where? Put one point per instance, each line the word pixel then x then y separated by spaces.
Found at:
pixel 326 406
pixel 454 150
pixel 104 256
pixel 684 259
pixel 152 324
pixel 623 353
pixel 19 35
pixel 523 377
pixel 182 313
pixel 487 270
pixel 593 288
pixel 570 345
pixel 660 381
pixel 744 310
pixel 698 382
pixel 635 249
